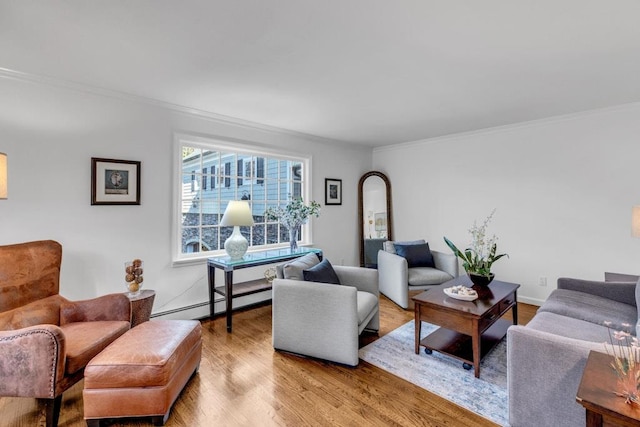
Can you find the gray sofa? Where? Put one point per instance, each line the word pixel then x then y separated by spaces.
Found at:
pixel 545 358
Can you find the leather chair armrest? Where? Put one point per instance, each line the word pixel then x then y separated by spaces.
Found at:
pixel 106 307
pixel 32 361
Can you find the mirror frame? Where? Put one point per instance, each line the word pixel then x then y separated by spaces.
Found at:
pixel 387 184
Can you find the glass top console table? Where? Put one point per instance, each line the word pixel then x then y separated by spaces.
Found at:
pixel 232 290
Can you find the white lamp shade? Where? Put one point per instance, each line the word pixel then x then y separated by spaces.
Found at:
pixel 238 212
pixel 635 221
pixel 3 176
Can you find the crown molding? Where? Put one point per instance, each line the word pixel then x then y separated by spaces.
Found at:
pixel 7 73
pixel 511 127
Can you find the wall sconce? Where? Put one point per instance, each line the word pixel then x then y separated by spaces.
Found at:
pixel 3 176
pixel 635 221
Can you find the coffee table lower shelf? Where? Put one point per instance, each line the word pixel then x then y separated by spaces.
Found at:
pixel 460 346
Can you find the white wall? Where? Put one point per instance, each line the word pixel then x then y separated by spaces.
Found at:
pixel 562 188
pixel 50 132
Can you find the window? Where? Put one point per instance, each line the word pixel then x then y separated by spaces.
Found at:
pixel 232 172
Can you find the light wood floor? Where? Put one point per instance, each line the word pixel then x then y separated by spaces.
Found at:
pixel 242 381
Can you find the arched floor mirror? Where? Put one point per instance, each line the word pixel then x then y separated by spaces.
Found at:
pixel 374 216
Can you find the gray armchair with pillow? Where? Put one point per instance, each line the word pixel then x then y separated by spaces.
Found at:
pixel 315 316
pixel 412 266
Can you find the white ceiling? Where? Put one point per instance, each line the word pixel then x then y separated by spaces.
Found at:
pixel 373 72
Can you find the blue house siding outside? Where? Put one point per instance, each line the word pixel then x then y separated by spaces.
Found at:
pixel 210 179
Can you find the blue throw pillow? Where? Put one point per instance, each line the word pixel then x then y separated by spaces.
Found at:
pixel 322 272
pixel 416 255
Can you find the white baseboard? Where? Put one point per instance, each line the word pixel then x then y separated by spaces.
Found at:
pixel 201 311
pixel 532 301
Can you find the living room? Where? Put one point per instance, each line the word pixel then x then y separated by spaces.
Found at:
pixel 557 161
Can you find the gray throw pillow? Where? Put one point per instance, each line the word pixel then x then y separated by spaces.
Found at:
pixel 294 269
pixel 322 273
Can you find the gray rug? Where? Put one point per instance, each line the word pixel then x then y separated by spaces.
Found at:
pixel 442 375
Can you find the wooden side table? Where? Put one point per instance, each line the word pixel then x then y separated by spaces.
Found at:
pixel 141 306
pixel 596 394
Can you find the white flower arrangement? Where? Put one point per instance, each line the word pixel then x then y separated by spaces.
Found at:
pixel 624 349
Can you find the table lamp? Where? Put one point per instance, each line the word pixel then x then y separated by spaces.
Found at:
pixel 3 176
pixel 238 213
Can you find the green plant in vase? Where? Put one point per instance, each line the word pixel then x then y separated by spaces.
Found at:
pixel 292 216
pixel 478 258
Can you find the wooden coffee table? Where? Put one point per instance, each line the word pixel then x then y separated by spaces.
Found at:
pixel 468 329
pixel 596 394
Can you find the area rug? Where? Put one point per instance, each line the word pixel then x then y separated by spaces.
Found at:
pixel 442 375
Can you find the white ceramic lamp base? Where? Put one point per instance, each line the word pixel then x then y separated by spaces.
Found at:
pixel 236 245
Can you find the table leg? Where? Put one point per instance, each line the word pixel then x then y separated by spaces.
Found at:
pixel 475 339
pixel 228 284
pixel 212 286
pixel 514 309
pixel 593 419
pixel 418 327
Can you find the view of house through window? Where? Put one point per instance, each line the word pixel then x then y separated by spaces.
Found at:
pixel 212 176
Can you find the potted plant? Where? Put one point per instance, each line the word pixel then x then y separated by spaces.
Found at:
pixel 480 256
pixel 292 216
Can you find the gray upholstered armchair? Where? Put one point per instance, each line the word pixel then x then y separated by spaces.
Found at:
pixel 397 278
pixel 324 320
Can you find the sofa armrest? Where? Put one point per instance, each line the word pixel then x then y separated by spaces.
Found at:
pixel 543 374
pixel 624 292
pixel 32 361
pixel 316 319
pixel 364 279
pixel 447 262
pixel 106 307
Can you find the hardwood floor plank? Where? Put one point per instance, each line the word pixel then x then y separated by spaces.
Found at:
pixel 242 381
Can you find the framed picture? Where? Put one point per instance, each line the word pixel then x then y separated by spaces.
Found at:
pixel 381 224
pixel 332 191
pixel 381 221
pixel 115 182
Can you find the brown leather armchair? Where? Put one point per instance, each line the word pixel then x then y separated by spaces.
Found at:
pixel 46 340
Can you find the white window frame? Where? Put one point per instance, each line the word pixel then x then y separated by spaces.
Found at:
pixel 237 147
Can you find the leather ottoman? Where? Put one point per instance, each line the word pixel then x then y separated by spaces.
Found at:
pixel 142 372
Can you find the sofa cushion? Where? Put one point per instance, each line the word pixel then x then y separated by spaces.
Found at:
pixel 367 302
pixel 590 308
pixel 420 276
pixel 86 339
pixel 294 269
pixel 321 273
pixel 389 246
pixel 416 255
pixel 569 327
pixel 147 356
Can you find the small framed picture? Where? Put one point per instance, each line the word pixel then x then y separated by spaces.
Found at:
pixel 115 182
pixel 332 191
